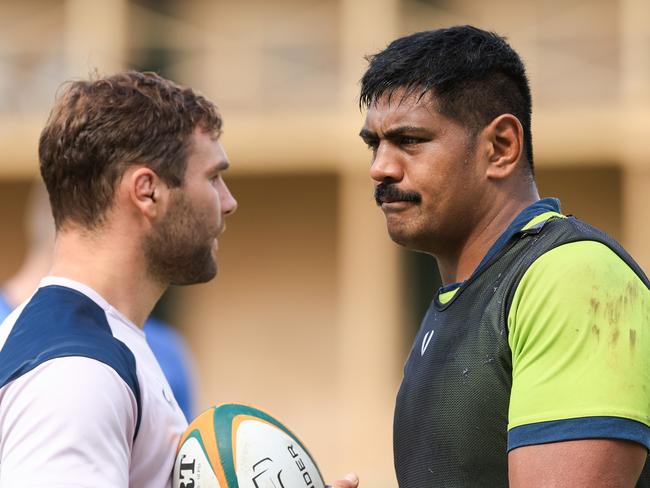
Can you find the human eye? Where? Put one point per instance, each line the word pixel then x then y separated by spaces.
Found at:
pixel 372 144
pixel 409 140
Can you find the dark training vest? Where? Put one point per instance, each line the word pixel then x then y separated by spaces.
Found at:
pixel 451 414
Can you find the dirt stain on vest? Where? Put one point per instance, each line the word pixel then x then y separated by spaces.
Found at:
pixel 614 310
pixel 615 334
pixel 595 330
pixel 632 290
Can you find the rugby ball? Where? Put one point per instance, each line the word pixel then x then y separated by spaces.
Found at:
pixel 239 446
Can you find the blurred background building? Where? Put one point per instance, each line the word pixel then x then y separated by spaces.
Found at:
pixel 314 308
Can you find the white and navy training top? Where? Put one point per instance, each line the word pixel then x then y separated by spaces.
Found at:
pixel 83 401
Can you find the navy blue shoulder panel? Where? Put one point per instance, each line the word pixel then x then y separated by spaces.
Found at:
pixel 61 322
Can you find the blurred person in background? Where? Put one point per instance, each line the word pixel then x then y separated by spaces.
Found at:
pixel 167 344
pixel 531 367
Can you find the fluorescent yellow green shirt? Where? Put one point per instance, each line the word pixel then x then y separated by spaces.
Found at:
pixel 580 338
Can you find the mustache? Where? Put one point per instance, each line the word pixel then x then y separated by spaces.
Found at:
pixel 384 192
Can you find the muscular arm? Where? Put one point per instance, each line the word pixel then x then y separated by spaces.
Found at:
pixel 596 463
pixel 579 333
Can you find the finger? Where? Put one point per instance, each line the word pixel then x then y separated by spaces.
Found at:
pixel 350 480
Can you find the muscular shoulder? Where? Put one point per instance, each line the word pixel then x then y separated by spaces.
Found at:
pixel 579 333
pixel 61 322
pixel 583 279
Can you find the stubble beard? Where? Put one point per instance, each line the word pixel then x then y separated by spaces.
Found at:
pixel 417 233
pixel 179 250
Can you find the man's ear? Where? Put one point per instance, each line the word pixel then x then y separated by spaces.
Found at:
pixel 146 191
pixel 505 139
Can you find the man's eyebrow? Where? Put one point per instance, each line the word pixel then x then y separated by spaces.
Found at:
pixel 395 132
pixel 222 165
pixel 406 129
pixel 367 134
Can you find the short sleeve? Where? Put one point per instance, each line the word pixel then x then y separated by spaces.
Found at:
pixel 68 423
pixel 579 332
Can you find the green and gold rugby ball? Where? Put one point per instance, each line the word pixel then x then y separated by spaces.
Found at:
pixel 239 446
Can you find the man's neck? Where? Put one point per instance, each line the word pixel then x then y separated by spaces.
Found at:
pixel 461 261
pixel 115 270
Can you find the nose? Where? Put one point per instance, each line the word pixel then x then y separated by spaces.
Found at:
pixel 228 202
pixel 386 166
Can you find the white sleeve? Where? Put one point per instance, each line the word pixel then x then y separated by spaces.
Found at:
pixel 68 423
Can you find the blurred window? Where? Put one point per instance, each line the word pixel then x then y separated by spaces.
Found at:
pixel 31 55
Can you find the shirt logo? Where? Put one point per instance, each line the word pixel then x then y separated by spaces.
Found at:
pixel 425 342
pixel 167 396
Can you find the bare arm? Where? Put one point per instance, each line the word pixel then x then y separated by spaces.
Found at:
pixel 596 463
